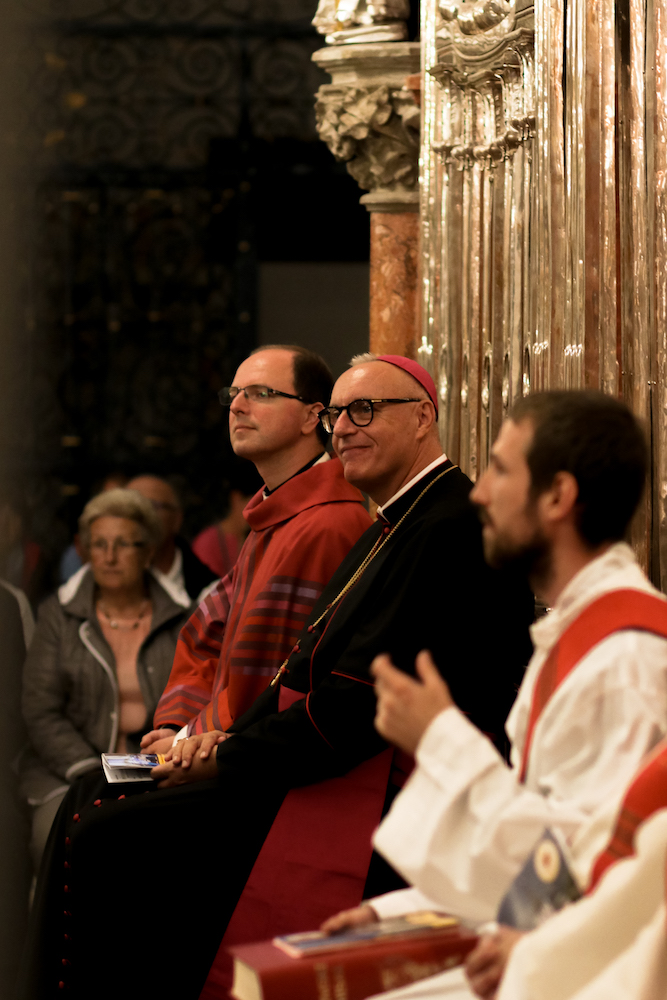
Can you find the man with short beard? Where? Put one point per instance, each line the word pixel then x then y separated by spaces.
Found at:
pixel 565 478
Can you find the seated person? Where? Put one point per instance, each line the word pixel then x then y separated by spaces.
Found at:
pixel 73 557
pixel 219 545
pixel 645 797
pixel 22 561
pixel 565 476
pixel 175 565
pixel 611 945
pixel 27 617
pixel 291 795
pixel 16 874
pixel 100 657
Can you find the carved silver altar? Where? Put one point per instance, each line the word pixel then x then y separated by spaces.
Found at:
pixel 362 21
pixel 544 216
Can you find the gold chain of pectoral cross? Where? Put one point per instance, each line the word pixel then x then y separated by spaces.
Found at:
pixel 361 569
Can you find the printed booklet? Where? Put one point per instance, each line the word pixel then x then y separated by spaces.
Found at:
pixel 543 886
pixel 130 766
pixel 416 924
pixel 359 964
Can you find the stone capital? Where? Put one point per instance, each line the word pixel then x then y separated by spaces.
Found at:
pixel 368 118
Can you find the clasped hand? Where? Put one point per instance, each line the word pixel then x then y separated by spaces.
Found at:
pixel 485 965
pixel 190 760
pixel 406 706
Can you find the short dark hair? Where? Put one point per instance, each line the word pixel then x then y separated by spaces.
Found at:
pixel 598 440
pixel 312 377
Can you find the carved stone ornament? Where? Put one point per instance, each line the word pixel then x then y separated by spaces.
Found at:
pixel 368 119
pixel 475 16
pixel 362 21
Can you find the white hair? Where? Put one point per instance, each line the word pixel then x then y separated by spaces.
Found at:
pixel 125 503
pixel 363 359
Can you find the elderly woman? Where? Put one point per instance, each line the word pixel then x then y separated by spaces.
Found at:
pixel 101 655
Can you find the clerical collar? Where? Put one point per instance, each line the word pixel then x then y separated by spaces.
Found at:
pixel 408 486
pixel 324 457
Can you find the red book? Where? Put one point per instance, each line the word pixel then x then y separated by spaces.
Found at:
pixel 264 972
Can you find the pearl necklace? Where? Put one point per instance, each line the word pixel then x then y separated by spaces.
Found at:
pixel 133 624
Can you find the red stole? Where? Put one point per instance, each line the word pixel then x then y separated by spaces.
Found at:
pixel 314 861
pixel 645 796
pixel 617 611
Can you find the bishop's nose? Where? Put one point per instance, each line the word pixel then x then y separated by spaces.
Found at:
pixel 344 425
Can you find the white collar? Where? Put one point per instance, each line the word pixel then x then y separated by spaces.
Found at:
pixel 615 569
pixel 173 581
pixel 69 588
pixel 420 475
pixel 176 569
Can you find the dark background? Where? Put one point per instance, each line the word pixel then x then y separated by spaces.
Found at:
pixel 165 206
pixel 173 189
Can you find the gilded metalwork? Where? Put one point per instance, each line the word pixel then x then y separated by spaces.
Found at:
pixel 475 17
pixel 477 135
pixel 658 40
pixel 544 217
pixel 345 22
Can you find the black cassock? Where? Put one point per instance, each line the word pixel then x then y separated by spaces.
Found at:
pixel 152 879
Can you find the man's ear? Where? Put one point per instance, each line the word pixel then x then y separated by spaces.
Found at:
pixel 311 419
pixel 559 501
pixel 425 417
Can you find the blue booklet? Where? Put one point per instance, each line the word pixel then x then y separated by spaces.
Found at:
pixel 420 923
pixel 543 886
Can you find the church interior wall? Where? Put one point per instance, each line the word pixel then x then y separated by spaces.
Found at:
pixel 321 305
pixel 164 155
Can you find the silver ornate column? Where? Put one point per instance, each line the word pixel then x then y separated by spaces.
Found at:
pixel 369 119
pixel 544 216
pixel 485 326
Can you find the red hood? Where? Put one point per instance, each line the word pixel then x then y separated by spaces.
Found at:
pixel 321 484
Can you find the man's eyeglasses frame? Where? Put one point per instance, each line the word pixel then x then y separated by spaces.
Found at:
pixel 325 415
pixel 228 394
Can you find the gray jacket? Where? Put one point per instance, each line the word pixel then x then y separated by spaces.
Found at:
pixel 70 692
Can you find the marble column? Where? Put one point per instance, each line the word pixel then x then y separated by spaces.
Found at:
pixel 393 312
pixel 369 118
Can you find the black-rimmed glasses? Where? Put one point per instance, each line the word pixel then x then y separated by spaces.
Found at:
pixel 360 412
pixel 255 393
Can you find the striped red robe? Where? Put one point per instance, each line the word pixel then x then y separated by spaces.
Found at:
pixel 242 631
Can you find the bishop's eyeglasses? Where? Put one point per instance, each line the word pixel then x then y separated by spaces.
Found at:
pixel 360 412
pixel 255 393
